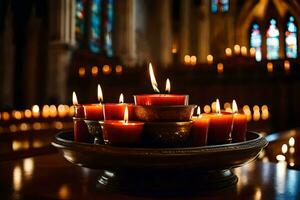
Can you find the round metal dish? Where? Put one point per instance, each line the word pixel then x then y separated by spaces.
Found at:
pixel 164 113
pixel 162 171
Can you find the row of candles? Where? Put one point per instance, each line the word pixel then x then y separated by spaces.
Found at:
pixel 62 111
pixel 118 129
pixel 106 70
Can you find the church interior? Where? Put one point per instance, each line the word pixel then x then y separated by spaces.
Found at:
pixel 226 49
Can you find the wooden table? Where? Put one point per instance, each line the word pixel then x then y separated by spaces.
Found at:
pixel 52 177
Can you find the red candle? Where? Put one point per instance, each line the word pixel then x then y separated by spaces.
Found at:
pixel 239 124
pixel 160 99
pixel 95 111
pixel 199 129
pixel 115 111
pixel 120 133
pixel 220 126
pixel 79 110
pixel 81 133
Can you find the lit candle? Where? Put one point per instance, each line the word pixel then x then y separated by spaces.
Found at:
pixel 35 111
pixel 237 49
pixel 95 111
pixel 199 129
pixel 79 110
pixel 228 52
pixel 81 132
pixel 122 132
pixel 220 126
pixel 252 52
pixel 239 124
pixel 160 99
pixel 115 111
pixel 210 59
pixel 244 51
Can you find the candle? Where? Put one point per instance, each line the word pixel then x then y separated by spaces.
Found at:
pixel 220 126
pixel 35 111
pixel 228 52
pixel 239 124
pixel 160 99
pixel 79 110
pixel 94 111
pixel 252 52
pixel 199 129
pixel 81 133
pixel 244 51
pixel 122 132
pixel 237 49
pixel 115 111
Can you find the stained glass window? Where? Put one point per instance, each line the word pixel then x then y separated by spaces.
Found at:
pixel 109 27
pixel 80 19
pixel 291 38
pixel 95 37
pixel 219 6
pixel 256 40
pixel 272 41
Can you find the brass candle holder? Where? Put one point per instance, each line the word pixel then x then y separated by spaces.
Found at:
pixel 178 113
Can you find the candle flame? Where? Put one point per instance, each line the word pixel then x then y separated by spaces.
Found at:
pixel 153 80
pixel 126 115
pixel 198 111
pixel 74 99
pixel 99 94
pixel 168 86
pixel 218 109
pixel 234 107
pixel 121 98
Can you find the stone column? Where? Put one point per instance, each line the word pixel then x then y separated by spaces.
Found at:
pixel 124 31
pixel 165 33
pixel 184 47
pixel 203 27
pixel 62 40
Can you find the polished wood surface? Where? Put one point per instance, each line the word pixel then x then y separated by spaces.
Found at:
pixel 52 177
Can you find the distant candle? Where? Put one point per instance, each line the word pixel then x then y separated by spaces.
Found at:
pixel 220 126
pixel 228 52
pixel 237 49
pixel 239 124
pixel 252 52
pixel 199 129
pixel 122 132
pixel 244 51
pixel 160 99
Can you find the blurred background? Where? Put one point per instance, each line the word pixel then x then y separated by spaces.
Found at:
pixel 226 49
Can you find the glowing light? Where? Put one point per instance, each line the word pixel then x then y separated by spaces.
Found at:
pixel 74 98
pixel 292 141
pixel 168 86
pixel 287 66
pixel 61 110
pixel 20 145
pixel 106 69
pixel 37 126
pixel 218 109
pixel 280 158
pixel 27 113
pixel 252 52
pixel 210 59
pixel 94 71
pixel 207 109
pixel 24 127
pixel 227 105
pixel 13 128
pixel 198 111
pixel 213 106
pixel 46 111
pixel 256 115
pixel 71 111
pixel 234 107
pixel 99 93
pixel 292 150
pixel 119 69
pixel 256 108
pixel 5 116
pixel 220 68
pixel 228 52
pixel 270 67
pixel 53 111
pixel 64 192
pixel 193 60
pixel 174 50
pixel 28 164
pixel 237 49
pixel 152 78
pixel 121 98
pixel 292 164
pixel 244 51
pixel 81 72
pixel 187 59
pixel 284 148
pixel 17 178
pixel 126 115
pixel 17 115
pixel 35 111
pixel 58 125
